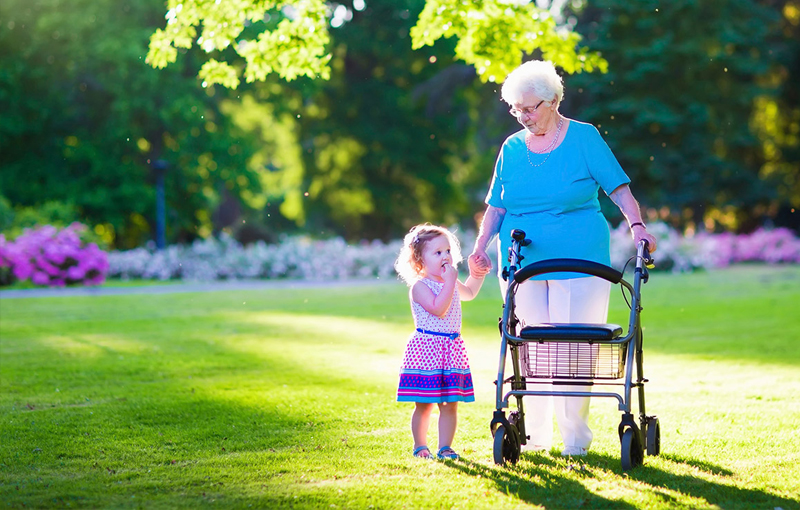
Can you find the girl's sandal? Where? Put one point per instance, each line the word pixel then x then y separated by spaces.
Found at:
pixel 421 450
pixel 447 453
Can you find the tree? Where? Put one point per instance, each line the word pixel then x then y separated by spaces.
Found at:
pixel 684 84
pixel 85 118
pixel 776 119
pixel 359 174
pixel 291 37
pixel 377 158
pixel 386 141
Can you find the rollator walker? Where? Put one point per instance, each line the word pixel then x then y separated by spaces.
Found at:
pixel 573 355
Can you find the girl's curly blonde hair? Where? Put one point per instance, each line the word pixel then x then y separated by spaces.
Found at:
pixel 409 262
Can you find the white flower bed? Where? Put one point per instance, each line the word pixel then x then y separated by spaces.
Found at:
pixel 226 259
pixel 303 258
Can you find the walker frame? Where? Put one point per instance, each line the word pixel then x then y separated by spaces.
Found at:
pixel 575 355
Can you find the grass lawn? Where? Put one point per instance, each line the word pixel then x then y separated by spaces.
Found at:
pixel 284 398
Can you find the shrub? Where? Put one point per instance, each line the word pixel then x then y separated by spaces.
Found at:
pixel 225 258
pixel 675 252
pixel 300 257
pixel 6 214
pixel 47 255
pixel 678 253
pixel 764 245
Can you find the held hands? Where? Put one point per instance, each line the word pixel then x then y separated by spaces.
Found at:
pixel 479 265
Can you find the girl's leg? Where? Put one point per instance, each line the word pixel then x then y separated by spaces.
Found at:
pixel 577 300
pixel 420 421
pixel 448 422
pixel 532 308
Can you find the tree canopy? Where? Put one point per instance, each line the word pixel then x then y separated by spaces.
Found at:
pixel 686 102
pixel 86 118
pixel 291 38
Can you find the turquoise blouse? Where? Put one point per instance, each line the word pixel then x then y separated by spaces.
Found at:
pixel 556 203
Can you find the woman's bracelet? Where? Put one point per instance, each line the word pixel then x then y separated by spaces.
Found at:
pixel 638 223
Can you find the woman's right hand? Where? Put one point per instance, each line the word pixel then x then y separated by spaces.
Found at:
pixel 479 264
pixel 490 225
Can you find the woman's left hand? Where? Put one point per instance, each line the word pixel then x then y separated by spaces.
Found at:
pixel 640 233
pixel 624 199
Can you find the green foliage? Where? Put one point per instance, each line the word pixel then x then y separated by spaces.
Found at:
pixel 278 161
pixel 6 214
pixel 396 136
pixel 175 400
pixel 13 221
pixel 377 161
pixel 776 120
pixel 365 177
pixel 295 46
pixel 685 81
pixel 218 72
pixel 495 36
pixel 85 118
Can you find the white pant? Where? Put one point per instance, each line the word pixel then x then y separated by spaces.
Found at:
pixel 563 301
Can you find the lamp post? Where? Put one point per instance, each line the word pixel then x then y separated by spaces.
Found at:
pixel 160 169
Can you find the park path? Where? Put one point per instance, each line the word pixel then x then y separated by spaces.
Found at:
pixel 188 287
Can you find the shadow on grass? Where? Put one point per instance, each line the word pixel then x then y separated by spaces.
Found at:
pixel 699 464
pixel 715 492
pixel 538 480
pixel 538 484
pixel 90 421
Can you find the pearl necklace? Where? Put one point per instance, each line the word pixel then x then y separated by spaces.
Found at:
pixel 548 150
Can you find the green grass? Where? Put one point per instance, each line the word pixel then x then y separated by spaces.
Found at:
pixel 285 398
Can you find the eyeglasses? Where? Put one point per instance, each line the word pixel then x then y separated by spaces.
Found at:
pixel 518 112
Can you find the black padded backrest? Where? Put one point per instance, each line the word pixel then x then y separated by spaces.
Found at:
pixel 568 266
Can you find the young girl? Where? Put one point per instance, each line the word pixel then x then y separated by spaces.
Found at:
pixel 435 368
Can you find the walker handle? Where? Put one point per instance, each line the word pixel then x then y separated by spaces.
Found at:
pixel 568 266
pixel 519 236
pixel 644 252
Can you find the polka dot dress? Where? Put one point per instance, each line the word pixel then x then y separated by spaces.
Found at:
pixel 435 367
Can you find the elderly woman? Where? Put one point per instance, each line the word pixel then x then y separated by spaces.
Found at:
pixel 546 182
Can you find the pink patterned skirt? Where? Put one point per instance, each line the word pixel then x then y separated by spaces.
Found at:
pixel 435 369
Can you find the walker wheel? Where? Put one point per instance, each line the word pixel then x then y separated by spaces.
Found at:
pixel 653 436
pixel 506 445
pixel 632 451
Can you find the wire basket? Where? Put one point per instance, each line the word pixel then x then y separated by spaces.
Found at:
pixel 570 360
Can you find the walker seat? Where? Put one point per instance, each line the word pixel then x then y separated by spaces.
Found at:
pixel 578 331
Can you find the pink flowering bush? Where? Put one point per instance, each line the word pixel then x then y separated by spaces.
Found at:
pixel 54 257
pixel 773 246
pixel 679 253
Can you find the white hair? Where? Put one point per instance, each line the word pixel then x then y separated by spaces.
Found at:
pixel 536 76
